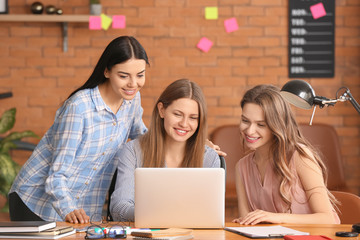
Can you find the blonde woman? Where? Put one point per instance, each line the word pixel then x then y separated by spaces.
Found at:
pixel 176 138
pixel 283 179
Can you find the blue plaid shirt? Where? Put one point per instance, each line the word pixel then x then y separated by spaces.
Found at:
pixel 73 164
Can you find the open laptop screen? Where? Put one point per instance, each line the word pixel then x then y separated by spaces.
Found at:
pixel 179 197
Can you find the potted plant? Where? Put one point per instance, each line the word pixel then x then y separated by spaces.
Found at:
pixel 9 168
pixel 95 7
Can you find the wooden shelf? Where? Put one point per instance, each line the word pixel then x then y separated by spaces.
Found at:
pixel 43 18
pixel 63 19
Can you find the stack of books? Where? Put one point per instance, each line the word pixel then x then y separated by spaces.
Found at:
pixel 34 230
pixel 165 234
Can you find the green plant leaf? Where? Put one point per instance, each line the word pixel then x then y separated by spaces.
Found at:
pixel 5 208
pixel 8 168
pixel 7 120
pixel 8 172
pixel 6 146
pixel 19 135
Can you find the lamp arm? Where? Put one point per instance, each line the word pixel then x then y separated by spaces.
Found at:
pixel 323 101
pixel 348 96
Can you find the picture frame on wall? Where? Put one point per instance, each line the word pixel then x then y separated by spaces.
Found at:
pixel 4 7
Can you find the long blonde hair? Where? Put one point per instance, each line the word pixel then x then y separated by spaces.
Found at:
pixel 152 142
pixel 287 137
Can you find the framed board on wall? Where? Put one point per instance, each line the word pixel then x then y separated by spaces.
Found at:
pixel 4 6
pixel 311 38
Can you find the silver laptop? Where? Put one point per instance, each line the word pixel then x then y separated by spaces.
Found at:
pixel 179 197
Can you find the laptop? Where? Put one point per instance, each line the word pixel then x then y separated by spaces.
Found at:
pixel 179 197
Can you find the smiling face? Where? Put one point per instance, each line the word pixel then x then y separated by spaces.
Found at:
pixel 181 119
pixel 127 78
pixel 253 127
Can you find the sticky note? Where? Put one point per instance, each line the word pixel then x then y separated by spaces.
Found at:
pixel 105 21
pixel 231 25
pixel 204 44
pixel 119 21
pixel 211 13
pixel 318 10
pixel 94 22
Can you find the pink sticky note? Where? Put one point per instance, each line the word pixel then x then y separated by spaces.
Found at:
pixel 231 25
pixel 119 21
pixel 204 44
pixel 95 23
pixel 318 10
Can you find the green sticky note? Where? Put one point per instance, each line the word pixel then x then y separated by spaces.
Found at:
pixel 211 13
pixel 105 21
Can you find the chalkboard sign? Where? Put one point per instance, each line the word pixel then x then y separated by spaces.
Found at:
pixel 311 38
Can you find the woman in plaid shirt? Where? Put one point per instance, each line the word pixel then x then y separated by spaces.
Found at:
pixel 68 175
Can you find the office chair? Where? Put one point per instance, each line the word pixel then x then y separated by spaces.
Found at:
pixel 113 182
pixel 324 138
pixel 349 207
pixel 223 164
pixel 228 138
pixel 111 190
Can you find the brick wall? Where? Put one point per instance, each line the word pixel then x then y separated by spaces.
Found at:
pixel 41 75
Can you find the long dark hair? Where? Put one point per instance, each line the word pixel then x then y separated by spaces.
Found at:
pixel 152 142
pixel 117 51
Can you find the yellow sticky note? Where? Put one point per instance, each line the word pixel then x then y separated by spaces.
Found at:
pixel 105 21
pixel 211 13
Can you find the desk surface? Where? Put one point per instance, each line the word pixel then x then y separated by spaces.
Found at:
pixel 220 234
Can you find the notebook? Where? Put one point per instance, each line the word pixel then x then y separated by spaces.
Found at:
pixel 40 236
pixel 306 237
pixel 50 232
pixel 276 231
pixel 168 238
pixel 169 232
pixel 179 197
pixel 25 226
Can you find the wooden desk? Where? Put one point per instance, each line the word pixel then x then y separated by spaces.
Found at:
pixel 220 234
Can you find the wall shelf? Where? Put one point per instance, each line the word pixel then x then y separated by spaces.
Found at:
pixel 63 19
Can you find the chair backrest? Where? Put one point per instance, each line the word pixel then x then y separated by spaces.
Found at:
pixel 223 163
pixel 349 208
pixel 325 139
pixel 228 138
pixel 111 190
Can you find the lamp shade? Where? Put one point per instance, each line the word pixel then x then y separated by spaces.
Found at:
pixel 298 93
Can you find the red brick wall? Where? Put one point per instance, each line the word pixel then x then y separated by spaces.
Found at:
pixel 41 75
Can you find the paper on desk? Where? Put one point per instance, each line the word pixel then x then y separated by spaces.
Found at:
pixel 265 232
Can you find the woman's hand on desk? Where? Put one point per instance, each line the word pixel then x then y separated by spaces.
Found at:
pixel 77 216
pixel 258 216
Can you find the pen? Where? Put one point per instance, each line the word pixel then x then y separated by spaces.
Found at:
pixel 140 230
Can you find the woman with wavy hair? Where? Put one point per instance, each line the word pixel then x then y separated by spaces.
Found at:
pixel 176 138
pixel 283 180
